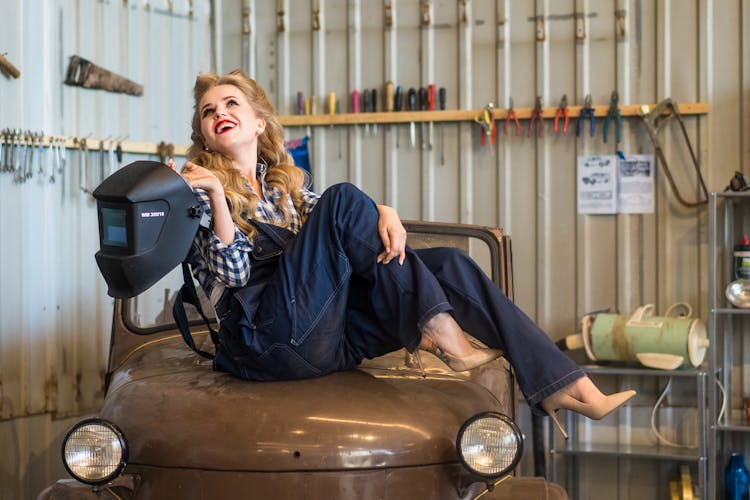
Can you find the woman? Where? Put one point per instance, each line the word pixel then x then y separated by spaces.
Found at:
pixel 306 285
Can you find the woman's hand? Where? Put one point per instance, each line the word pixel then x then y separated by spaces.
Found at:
pixel 393 235
pixel 202 178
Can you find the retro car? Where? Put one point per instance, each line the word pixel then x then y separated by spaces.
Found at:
pixel 172 427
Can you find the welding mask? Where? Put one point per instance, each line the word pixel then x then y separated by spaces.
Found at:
pixel 148 217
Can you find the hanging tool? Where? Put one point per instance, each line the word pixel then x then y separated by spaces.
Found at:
pixel 355 106
pixel 331 112
pixel 586 110
pixel 537 119
pixel 441 106
pixel 423 105
pixel 511 115
pixel 430 107
pixel 388 100
pixel 7 68
pixel 398 100
pixel 613 111
pixel 84 73
pixel 487 124
pixel 366 108
pixel 411 100
pixel 562 110
pixel 655 121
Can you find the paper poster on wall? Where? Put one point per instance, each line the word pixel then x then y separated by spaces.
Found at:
pixel 636 184
pixel 597 184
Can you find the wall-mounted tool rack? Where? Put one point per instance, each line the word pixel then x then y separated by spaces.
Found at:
pixel 466 115
pixel 694 108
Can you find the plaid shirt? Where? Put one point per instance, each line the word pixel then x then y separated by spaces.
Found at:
pixel 216 265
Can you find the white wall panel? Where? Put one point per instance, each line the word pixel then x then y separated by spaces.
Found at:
pixel 55 315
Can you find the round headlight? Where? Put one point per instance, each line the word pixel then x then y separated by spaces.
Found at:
pixel 489 444
pixel 94 451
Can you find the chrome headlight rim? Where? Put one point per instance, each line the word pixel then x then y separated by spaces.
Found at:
pixel 515 431
pixel 117 433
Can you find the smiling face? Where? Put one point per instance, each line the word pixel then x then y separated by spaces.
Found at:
pixel 229 124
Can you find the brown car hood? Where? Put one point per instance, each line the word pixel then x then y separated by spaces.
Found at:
pixel 176 411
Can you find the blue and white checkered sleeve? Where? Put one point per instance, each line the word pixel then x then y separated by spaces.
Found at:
pixel 230 264
pixel 309 200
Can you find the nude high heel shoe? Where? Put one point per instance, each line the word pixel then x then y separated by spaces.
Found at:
pixel 479 357
pixel 596 411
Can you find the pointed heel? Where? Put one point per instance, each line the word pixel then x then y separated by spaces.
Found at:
pixel 553 415
pixel 418 357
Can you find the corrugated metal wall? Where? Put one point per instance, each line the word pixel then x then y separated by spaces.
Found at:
pixel 483 51
pixel 54 314
pixel 54 311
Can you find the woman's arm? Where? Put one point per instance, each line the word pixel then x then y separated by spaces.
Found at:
pixel 393 235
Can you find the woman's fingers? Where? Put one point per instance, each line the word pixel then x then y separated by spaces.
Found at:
pixel 394 241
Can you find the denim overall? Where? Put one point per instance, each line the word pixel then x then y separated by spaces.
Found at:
pixel 319 302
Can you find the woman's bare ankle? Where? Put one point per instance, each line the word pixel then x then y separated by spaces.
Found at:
pixel 443 330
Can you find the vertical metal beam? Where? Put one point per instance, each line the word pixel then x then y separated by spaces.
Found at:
pixel 355 82
pixel 706 127
pixel 466 166
pixel 427 69
pixel 504 57
pixel 283 74
pixel 390 61
pixel 318 92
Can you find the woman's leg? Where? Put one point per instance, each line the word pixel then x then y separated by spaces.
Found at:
pixel 305 303
pixel 486 313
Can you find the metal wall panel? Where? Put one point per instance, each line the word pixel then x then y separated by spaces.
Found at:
pixel 566 264
pixel 55 315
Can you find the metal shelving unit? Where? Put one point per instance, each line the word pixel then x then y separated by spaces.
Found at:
pixel 729 219
pixel 574 448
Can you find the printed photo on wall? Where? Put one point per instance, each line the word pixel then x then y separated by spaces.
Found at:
pixel 612 184
pixel 597 184
pixel 635 176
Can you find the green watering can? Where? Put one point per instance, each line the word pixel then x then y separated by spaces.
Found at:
pixel 667 342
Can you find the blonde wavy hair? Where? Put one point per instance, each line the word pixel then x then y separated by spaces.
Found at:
pixel 281 173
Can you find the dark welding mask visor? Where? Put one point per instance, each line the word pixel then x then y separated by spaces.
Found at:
pixel 148 217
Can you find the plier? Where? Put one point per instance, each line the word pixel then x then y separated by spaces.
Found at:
pixel 511 115
pixel 562 110
pixel 536 118
pixel 586 110
pixel 614 110
pixel 487 122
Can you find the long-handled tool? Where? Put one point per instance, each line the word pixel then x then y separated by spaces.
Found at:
pixel 655 121
pixel 411 101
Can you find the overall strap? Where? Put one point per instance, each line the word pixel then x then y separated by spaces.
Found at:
pixel 188 294
pixel 278 234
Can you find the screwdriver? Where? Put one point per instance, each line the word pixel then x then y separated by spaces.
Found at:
pixel 397 102
pixel 366 108
pixel 422 125
pixel 331 112
pixel 374 108
pixel 441 106
pixel 411 100
pixel 388 101
pixel 355 106
pixel 431 107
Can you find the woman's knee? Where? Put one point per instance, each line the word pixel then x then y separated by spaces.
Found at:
pixel 345 190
